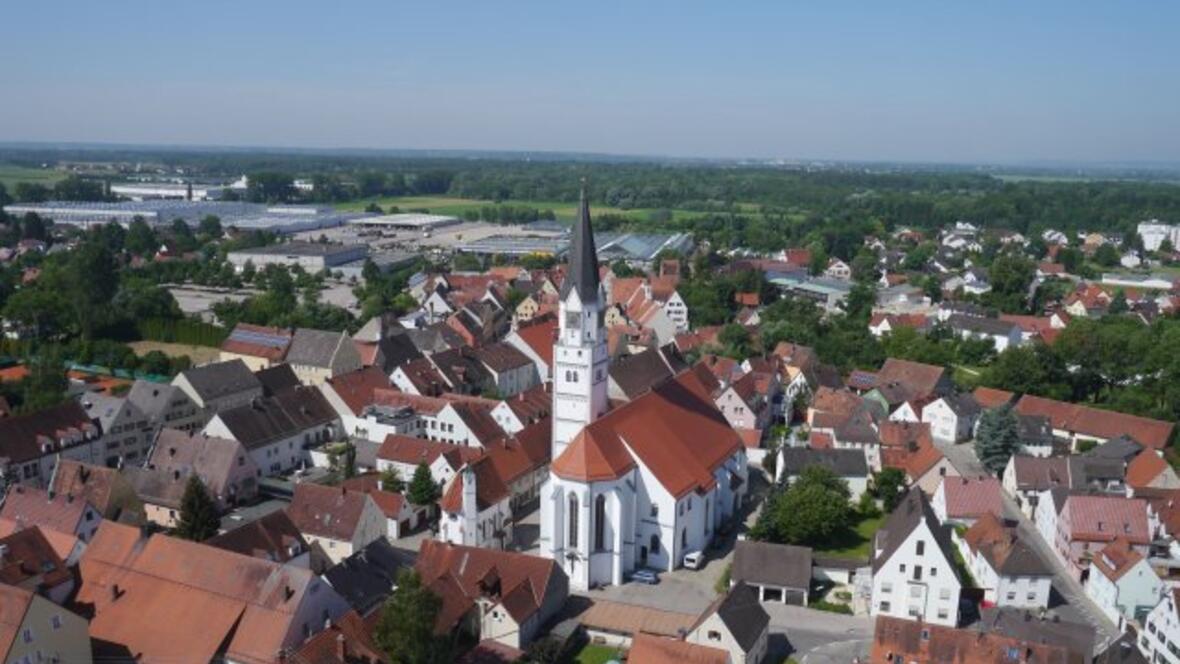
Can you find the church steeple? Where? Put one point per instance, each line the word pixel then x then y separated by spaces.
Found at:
pixel 580 357
pixel 583 264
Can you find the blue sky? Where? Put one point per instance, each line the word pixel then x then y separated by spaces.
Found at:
pixel 913 81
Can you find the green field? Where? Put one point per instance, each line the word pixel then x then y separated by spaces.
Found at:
pixel 10 175
pixel 595 654
pixel 457 206
pixel 854 542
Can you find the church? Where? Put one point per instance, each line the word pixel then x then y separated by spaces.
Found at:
pixel 642 483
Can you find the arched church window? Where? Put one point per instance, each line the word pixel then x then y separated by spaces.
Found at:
pixel 573 537
pixel 599 523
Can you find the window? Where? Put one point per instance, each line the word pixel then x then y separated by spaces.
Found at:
pixel 886 587
pixel 573 536
pixel 655 545
pixel 885 607
pixel 1032 596
pixel 599 523
pixel 921 547
pixel 27 635
pixel 714 635
pixel 925 635
pixel 55 621
pixel 903 568
pixel 933 571
pixel 945 593
pixel 914 611
pixel 942 614
pixel 655 510
pixel 917 572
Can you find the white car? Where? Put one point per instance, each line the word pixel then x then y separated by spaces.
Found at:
pixel 694 559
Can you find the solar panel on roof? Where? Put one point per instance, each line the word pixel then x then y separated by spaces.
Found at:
pixel 258 338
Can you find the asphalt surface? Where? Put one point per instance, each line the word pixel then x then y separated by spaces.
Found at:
pixel 1075 605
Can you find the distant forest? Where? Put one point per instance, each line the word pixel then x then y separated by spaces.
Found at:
pixel 758 207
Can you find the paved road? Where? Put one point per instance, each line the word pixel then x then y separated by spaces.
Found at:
pixel 1077 606
pixel 818 637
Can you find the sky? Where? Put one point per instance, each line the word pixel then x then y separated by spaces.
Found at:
pixel 994 82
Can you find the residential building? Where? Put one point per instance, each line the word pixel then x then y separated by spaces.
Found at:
pixel 126 431
pixel 273 537
pixel 352 395
pixel 31 444
pixel 339 520
pixel 963 500
pixel 848 465
pixel 1123 584
pixel 219 386
pixel 499 595
pixel 535 338
pixel 250 609
pixel 896 641
pixel 477 508
pixel 951 417
pixel 1075 422
pixel 899 381
pixel 1025 478
pixel 512 372
pixel 368 577
pixel 225 466
pixel 29 506
pixel 256 345
pixel 1159 641
pixel 775 572
pixel 654 649
pixel 1008 570
pixel 1002 334
pixel 735 623
pixel 29 561
pixel 34 629
pixel 403 454
pixel 913 566
pixel 104 488
pixel 160 491
pixel 166 406
pixel 1087 523
pixel 400 516
pixel 317 355
pixel 278 430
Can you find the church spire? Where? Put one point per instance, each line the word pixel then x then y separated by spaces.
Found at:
pixel 583 264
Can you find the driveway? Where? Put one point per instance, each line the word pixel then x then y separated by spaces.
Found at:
pixel 817 637
pixel 1069 600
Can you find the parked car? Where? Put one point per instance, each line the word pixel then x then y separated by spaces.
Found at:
pixel 694 560
pixel 645 576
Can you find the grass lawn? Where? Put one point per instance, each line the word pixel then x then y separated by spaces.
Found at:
pixel 198 354
pixel 967 377
pixel 457 206
pixel 11 174
pixel 853 542
pixel 595 654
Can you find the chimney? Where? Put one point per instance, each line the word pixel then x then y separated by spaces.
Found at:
pixel 341 647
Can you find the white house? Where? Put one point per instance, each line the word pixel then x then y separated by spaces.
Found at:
pixel 640 485
pixel 964 500
pixel 1123 584
pixel 913 566
pixel 278 431
pixel 477 508
pixel 1008 570
pixel 951 418
pixel 735 623
pixel 1161 630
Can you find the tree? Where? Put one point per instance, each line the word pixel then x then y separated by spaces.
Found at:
pixel 1118 304
pixel 47 383
pixel 997 439
pixel 1106 255
pixel 349 470
pixel 819 259
pixel 198 515
pixel 423 490
pixel 141 240
pixel 736 340
pixel 1166 248
pixel 210 226
pixel 391 480
pixel 889 486
pixel 405 629
pixel 810 511
pixel 270 187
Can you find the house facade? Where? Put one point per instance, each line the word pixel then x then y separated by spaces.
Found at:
pixel 913 566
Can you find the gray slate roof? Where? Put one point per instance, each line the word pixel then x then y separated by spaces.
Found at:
pixel 783 565
pixel 742 614
pixel 315 348
pixel 221 379
pixel 843 462
pixel 271 418
pixel 909 513
pixel 583 265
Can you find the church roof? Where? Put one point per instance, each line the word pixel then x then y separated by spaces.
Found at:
pixel 583 270
pixel 675 430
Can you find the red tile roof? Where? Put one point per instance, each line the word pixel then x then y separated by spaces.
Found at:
pixel 902 434
pixel 347 641
pixel 651 649
pixel 31 506
pixel 1116 559
pixel 989 397
pixel 461 574
pixel 356 388
pixel 23 437
pixel 1105 518
pixel 407 450
pixel 325 511
pixel 900 640
pixel 1096 422
pixel 490 488
pixel 539 334
pixel 675 429
pixel 270 343
pixel 27 559
pixel 972 498
pixel 1144 468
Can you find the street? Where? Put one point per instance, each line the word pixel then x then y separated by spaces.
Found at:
pixel 1074 605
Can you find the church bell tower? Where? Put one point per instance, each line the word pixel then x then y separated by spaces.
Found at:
pixel 580 356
